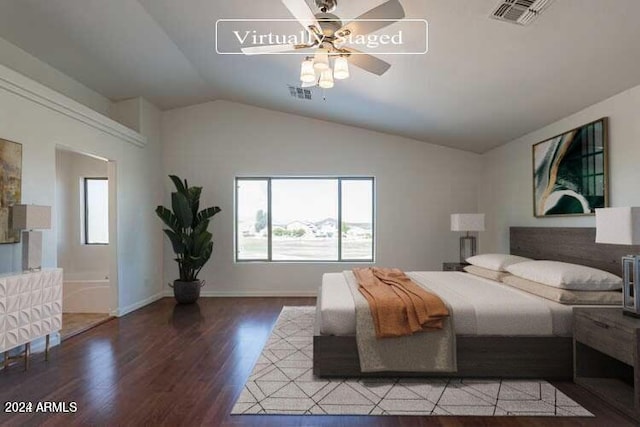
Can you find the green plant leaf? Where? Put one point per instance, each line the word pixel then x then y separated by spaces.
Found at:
pixel 182 210
pixel 176 241
pixel 168 218
pixel 193 193
pixel 178 183
pixel 206 255
pixel 207 213
pixel 200 242
pixel 187 239
pixel 188 233
pixel 202 226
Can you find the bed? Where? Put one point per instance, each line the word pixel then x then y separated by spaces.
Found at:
pixel 491 337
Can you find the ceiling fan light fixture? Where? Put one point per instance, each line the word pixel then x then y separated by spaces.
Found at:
pixel 326 79
pixel 341 68
pixel 307 72
pixel 331 58
pixel 321 60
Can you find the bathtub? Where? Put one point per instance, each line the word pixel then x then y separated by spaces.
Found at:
pixel 88 292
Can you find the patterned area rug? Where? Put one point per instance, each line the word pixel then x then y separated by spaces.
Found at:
pixel 282 383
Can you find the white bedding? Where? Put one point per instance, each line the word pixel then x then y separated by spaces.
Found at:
pixel 480 306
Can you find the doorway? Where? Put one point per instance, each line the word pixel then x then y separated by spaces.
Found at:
pixel 84 219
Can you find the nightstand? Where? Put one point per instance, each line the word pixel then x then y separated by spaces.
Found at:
pixel 454 266
pixel 606 346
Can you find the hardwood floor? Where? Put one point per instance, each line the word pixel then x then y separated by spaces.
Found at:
pixel 77 323
pixel 185 365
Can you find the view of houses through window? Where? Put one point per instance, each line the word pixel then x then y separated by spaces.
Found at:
pixel 304 219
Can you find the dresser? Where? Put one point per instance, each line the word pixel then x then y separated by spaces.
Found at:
pixel 30 308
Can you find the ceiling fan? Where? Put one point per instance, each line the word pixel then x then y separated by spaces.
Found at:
pixel 327 36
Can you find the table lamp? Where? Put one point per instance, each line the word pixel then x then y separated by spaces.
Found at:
pixel 29 218
pixel 467 223
pixel 621 226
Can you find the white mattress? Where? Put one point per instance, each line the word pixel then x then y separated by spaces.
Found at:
pixel 480 306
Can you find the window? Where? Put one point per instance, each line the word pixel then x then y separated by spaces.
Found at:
pixel 305 219
pixel 96 211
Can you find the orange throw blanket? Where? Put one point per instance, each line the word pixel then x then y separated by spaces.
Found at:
pixel 398 305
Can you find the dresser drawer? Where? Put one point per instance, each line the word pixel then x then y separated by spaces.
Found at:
pixel 606 338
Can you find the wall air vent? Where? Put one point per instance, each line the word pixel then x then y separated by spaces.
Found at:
pixel 521 12
pixel 300 92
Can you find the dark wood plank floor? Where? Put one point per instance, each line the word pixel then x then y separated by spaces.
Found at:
pixel 185 365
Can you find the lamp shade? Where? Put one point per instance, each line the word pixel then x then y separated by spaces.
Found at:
pixel 618 226
pixel 467 222
pixel 321 60
pixel 30 217
pixel 341 68
pixel 326 79
pixel 307 73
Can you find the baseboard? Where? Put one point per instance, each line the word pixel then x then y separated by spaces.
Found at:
pixel 213 294
pixel 264 293
pixel 133 307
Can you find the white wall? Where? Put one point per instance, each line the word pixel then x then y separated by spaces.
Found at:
pixel 418 186
pixel 139 230
pixel 507 185
pixel 77 259
pixel 128 112
pixel 33 121
pixel 28 65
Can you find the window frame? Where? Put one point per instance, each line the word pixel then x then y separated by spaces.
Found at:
pixel 269 258
pixel 85 239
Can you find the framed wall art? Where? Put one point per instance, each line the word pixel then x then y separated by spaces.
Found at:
pixel 570 172
pixel 10 187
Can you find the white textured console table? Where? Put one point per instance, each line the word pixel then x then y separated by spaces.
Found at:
pixel 30 308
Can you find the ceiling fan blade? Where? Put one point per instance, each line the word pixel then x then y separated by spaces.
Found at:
pixel 387 11
pixel 272 48
pixel 367 62
pixel 301 11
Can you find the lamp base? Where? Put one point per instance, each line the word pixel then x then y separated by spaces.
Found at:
pixel 631 277
pixel 467 248
pixel 31 250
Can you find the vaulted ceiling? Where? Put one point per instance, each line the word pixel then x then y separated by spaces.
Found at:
pixel 482 83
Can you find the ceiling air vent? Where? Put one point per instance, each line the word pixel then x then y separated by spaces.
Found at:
pixel 520 12
pixel 300 92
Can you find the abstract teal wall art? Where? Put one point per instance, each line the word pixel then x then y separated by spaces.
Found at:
pixel 570 172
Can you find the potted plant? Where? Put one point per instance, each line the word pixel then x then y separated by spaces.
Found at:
pixel 189 237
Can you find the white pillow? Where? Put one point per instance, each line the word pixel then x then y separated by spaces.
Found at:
pixel 566 276
pixel 496 262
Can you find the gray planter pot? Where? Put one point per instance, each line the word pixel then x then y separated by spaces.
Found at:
pixel 187 292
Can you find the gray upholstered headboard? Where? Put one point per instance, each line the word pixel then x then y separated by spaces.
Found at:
pixel 574 245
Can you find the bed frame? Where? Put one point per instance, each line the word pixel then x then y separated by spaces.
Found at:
pixel 497 356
